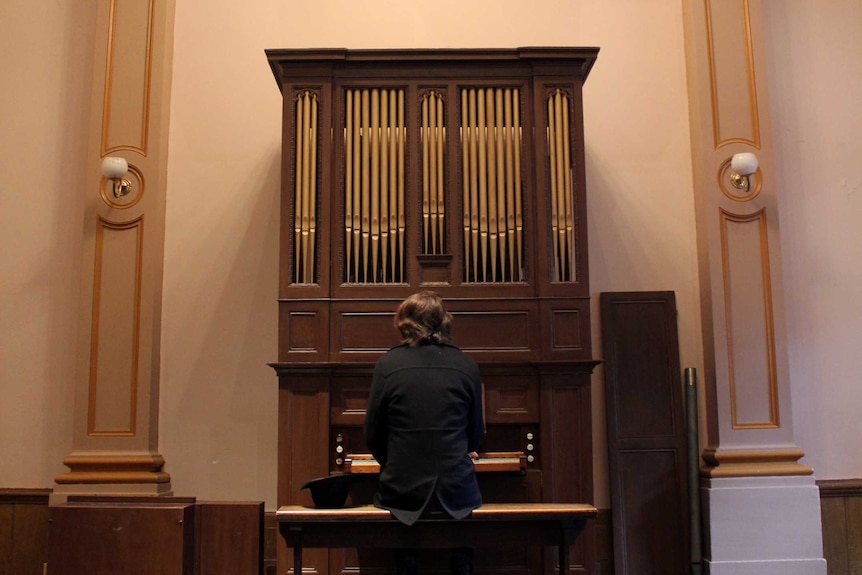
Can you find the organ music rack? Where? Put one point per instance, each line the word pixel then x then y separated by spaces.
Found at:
pixel 459 171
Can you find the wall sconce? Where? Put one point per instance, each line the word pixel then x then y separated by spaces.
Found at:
pixel 742 166
pixel 114 169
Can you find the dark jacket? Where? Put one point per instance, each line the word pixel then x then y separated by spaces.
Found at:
pixel 424 416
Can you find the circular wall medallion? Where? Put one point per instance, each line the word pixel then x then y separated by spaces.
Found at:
pixel 734 193
pixel 136 192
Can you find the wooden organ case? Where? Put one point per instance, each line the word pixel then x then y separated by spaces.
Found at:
pixel 461 172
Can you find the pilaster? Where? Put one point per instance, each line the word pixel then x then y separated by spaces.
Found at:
pixel 115 435
pixel 762 511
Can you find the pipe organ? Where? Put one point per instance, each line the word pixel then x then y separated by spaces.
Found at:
pixel 458 171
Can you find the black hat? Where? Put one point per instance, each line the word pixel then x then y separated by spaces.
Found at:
pixel 330 492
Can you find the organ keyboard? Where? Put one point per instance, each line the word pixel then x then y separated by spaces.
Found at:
pixel 363 463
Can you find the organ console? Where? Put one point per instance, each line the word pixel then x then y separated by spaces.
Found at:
pixel 458 171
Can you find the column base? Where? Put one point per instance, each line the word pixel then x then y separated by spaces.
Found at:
pixel 113 473
pixel 762 526
pixel 792 567
pixel 62 492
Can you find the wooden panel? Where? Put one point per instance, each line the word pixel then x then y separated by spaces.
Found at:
pixel 510 398
pixel 349 396
pixel 568 322
pixel 854 534
pixel 303 329
pixel 230 537
pixel 365 331
pixel 107 539
pixel 841 518
pixel 303 431
pixel 7 522
pixel 497 330
pixel 647 456
pixel 566 449
pixel 833 511
pixel 23 531
pixel 648 489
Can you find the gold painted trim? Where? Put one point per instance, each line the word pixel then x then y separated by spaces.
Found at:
pixel 148 65
pixel 76 477
pixel 752 84
pixel 94 333
pixel 756 463
pixel 119 459
pixel 760 218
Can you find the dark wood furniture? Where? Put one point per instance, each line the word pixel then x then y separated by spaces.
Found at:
pixel 154 537
pixel 111 534
pixel 457 171
pixel 647 433
pixel 545 524
pixel 23 530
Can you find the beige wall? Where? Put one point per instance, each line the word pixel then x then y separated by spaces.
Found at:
pixel 218 412
pixel 816 86
pixel 46 50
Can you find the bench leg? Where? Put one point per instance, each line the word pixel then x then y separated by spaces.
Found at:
pixel 297 560
pixel 564 556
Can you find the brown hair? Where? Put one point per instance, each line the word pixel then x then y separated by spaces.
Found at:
pixel 422 319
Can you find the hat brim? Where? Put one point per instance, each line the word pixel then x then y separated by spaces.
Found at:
pixel 330 492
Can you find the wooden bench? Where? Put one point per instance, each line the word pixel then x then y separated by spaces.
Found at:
pixel 546 524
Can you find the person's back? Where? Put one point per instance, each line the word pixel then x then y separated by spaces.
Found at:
pixel 423 420
pixel 424 423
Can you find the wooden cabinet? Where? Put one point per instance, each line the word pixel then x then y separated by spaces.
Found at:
pixel 155 538
pixel 457 171
pixel 146 535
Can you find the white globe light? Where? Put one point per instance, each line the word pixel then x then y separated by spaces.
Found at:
pixel 744 164
pixel 114 168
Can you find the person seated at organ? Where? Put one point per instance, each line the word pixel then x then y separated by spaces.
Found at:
pixel 424 424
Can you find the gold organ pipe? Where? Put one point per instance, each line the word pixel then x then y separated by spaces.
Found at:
pixel 441 204
pixel 474 184
pixel 561 210
pixel 375 181
pixel 432 169
pixel 552 167
pixel 492 182
pixel 348 181
pixel 501 180
pixel 306 182
pixel 426 176
pixel 465 180
pixel 402 221
pixel 366 185
pixel 567 179
pixel 393 182
pixel 384 181
pixel 510 187
pixel 312 211
pixel 491 189
pixel 297 196
pixel 357 182
pixel 516 145
pixel 483 185
pixel 560 167
pixel 433 194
